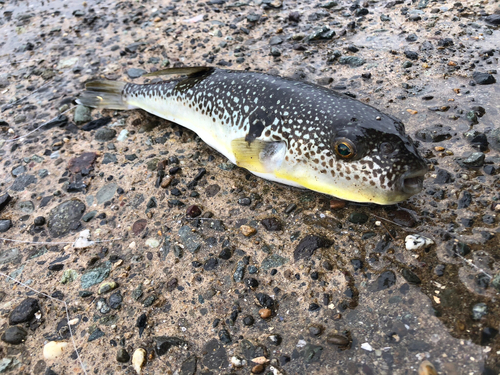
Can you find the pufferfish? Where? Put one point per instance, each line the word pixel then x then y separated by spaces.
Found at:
pixel 288 131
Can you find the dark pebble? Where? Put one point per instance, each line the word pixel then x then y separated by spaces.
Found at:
pixel 265 300
pixel 164 343
pixel 435 133
pixel 23 181
pixel 443 177
pixel 315 330
pixel 174 170
pixel 483 78
pixel 357 264
pixel 386 280
pixel 411 38
pixel 24 312
pixel 135 73
pixel 327 266
pixel 211 264
pixel 248 320
pixel 5 225
pixel 104 134
pixel 188 367
pixel 122 356
pixel 193 211
pixel 64 217
pixel 244 201
pixel 224 336
pixel 488 219
pixel 216 356
pixel 465 200
pixel 290 208
pixel 308 245
pixel 294 17
pixel 403 217
pixel 226 254
pixel 97 334
pixel 284 359
pixel 439 270
pixel 115 300
pixel 358 218
pixel 410 276
pixel 411 55
pixel 272 224
pixel 314 307
pixel 14 335
pixel 39 221
pixel 56 267
pixel 458 247
pixel 493 19
pixel 4 200
pixel 251 283
pixel 474 160
pixel 275 339
pixel 487 335
pixel 96 124
pixel 141 323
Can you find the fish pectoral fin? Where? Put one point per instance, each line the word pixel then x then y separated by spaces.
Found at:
pixel 188 71
pixel 258 155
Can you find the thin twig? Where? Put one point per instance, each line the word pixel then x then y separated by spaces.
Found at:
pixel 389 221
pixel 31 93
pixel 470 263
pixel 67 315
pixel 41 126
pixel 55 243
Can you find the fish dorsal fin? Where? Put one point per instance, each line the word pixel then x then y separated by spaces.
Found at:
pixel 258 155
pixel 189 71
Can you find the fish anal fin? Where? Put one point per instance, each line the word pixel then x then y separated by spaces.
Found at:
pixel 258 155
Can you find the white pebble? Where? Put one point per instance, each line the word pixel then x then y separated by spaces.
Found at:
pixel 138 360
pixel 236 361
pixel 83 240
pixel 301 343
pixel 366 347
pixel 54 349
pixel 416 242
pixel 122 136
pixel 275 370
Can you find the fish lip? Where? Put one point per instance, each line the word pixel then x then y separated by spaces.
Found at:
pixel 412 182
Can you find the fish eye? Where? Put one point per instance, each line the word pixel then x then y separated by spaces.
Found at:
pixel 345 148
pixel 386 147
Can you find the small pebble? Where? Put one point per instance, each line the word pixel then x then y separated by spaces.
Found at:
pixel 426 368
pixel 122 356
pixel 258 369
pixel 415 242
pixel 265 313
pixel 338 340
pixel 138 360
pixel 54 349
pixel 248 230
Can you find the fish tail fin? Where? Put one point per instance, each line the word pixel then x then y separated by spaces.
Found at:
pixel 104 94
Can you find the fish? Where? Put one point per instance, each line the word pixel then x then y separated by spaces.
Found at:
pixel 283 130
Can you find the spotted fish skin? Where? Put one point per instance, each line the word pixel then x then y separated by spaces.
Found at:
pixel 287 131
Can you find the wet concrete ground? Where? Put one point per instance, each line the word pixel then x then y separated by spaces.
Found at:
pixel 354 300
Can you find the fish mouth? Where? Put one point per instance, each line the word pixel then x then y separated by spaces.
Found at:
pixel 412 182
